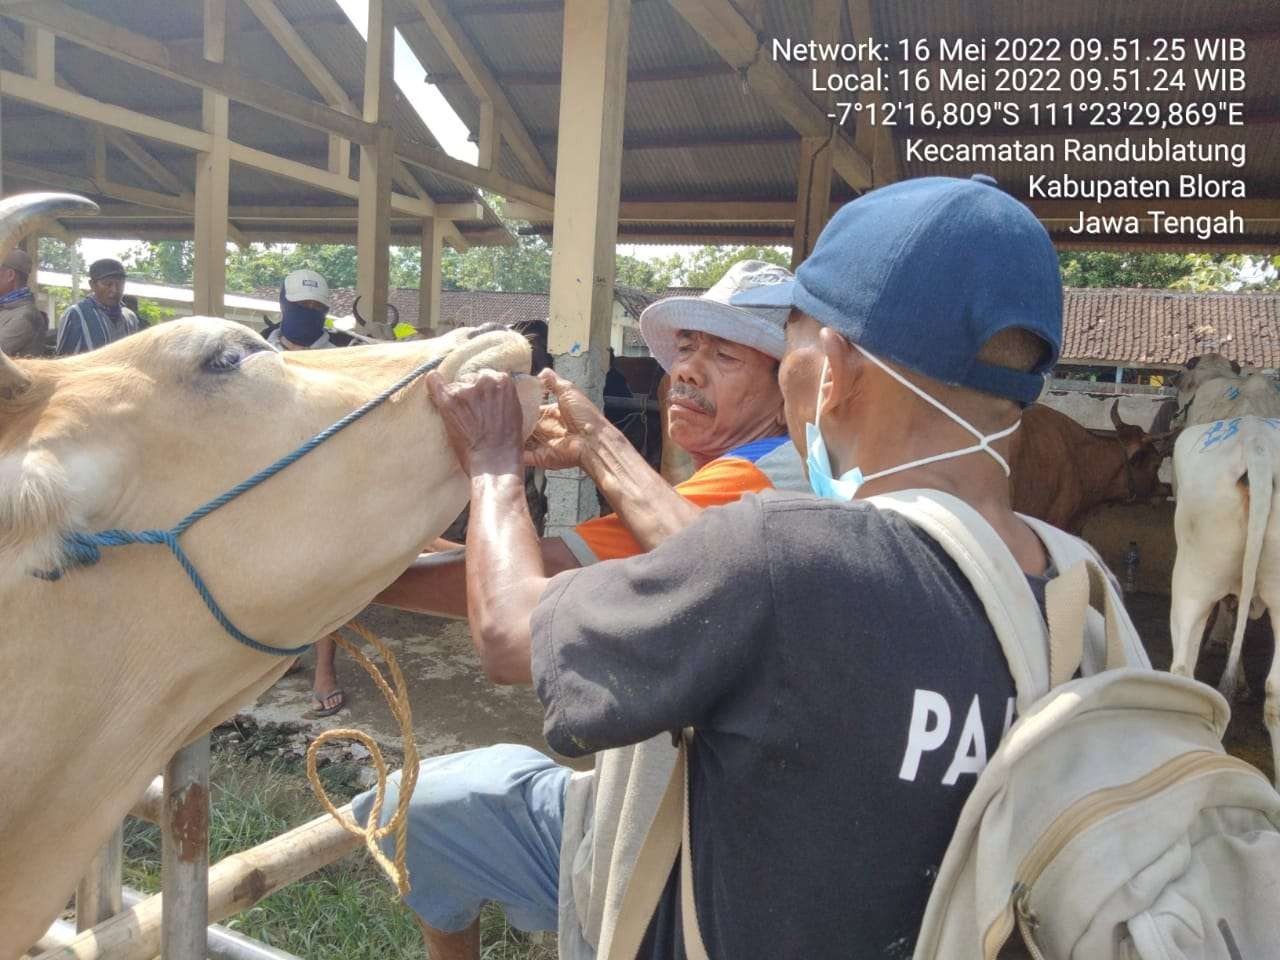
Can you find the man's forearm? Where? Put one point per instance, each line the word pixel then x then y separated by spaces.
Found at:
pixel 436 583
pixel 649 506
pixel 505 574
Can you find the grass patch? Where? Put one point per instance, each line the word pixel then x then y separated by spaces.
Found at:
pixel 345 911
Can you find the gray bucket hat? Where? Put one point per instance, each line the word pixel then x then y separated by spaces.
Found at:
pixel 760 329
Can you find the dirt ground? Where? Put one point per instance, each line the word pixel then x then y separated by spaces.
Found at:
pixel 455 708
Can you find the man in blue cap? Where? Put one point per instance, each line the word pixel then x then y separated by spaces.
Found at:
pixel 844 685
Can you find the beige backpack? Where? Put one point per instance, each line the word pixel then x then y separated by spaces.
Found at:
pixel 1110 823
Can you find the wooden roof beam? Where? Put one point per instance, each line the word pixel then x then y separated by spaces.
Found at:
pixel 720 24
pixel 875 142
pixel 127 145
pixel 462 52
pixel 185 67
pixel 318 75
pixel 437 161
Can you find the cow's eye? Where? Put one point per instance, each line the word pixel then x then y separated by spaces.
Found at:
pixel 224 361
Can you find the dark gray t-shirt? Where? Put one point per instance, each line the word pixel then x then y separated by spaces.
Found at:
pixel 845 688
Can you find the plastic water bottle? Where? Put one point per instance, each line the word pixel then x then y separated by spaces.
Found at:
pixel 1131 558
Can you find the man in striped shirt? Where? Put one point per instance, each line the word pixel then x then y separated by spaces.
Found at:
pixel 99 318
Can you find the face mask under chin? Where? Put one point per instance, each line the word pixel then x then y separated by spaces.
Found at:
pixel 845 486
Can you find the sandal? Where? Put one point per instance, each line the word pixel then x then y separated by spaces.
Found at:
pixel 327 705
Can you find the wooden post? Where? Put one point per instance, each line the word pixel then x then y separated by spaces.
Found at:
pixel 184 855
pixel 98 895
pixel 813 176
pixel 593 88
pixel 487 139
pixel 377 162
pixel 429 282
pixel 38 52
pixel 213 178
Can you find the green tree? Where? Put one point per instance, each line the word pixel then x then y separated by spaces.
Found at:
pixel 1165 271
pixel 163 261
pixel 524 267
pixel 59 256
pixel 705 265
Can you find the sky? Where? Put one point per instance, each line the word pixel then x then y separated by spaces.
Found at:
pixel 436 113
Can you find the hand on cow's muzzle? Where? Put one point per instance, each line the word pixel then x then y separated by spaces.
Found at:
pixel 565 428
pixel 483 420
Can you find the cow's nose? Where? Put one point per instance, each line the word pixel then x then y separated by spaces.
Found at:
pixel 484 328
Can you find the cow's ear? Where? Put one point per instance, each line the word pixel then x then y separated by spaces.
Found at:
pixel 1191 364
pixel 1235 367
pixel 14 381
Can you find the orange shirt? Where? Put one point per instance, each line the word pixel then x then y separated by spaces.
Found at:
pixel 757 466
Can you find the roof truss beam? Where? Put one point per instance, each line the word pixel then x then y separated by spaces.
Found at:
pixel 480 80
pixel 720 24
pixel 177 64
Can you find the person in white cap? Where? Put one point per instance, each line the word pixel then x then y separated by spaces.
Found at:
pixel 304 301
pixel 506 823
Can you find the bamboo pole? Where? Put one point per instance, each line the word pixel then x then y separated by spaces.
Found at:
pixel 98 893
pixel 235 884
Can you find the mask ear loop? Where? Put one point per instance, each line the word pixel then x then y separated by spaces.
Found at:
pixel 984 442
pixel 822 380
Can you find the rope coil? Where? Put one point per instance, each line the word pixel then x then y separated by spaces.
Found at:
pixel 398 701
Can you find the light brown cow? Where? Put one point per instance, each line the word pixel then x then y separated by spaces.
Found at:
pixel 1059 471
pixel 111 668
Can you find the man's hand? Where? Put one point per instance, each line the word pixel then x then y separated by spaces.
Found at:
pixel 565 428
pixel 483 420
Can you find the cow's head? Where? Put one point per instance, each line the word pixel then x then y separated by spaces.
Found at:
pixel 1200 370
pixel 1144 452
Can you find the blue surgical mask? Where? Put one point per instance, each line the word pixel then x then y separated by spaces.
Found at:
pixel 845 486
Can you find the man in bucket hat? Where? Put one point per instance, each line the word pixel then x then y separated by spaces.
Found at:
pixel 840 675
pixel 99 318
pixel 506 823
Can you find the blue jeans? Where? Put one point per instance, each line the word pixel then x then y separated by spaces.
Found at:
pixel 484 825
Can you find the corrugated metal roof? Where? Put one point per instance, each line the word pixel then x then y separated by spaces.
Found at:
pixel 58 143
pixel 680 88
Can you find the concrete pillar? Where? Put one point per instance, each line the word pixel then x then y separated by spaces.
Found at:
pixel 593 86
pixel 429 281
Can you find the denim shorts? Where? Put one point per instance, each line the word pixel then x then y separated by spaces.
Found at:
pixel 484 825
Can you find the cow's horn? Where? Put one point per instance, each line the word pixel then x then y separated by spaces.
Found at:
pixel 1115 415
pixel 395 313
pixel 20 215
pixel 355 311
pixel 14 381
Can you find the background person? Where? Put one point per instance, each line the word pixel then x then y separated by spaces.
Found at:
pixel 99 318
pixel 23 326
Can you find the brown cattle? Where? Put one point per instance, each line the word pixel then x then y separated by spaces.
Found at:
pixel 1060 471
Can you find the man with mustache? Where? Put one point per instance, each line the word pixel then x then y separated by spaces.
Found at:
pixel 506 823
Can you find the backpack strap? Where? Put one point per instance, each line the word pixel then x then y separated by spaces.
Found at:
pixel 1068 597
pixel 995 576
pixel 668 838
pixel 1066 552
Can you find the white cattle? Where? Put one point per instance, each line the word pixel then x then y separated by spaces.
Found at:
pixel 1227 524
pixel 113 666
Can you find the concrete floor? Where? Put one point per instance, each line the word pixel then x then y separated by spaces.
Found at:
pixel 456 708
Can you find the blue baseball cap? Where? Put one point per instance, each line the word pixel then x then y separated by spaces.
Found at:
pixel 924 272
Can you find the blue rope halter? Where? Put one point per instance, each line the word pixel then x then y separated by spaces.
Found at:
pixel 84 549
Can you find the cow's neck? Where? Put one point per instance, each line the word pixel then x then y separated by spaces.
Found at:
pixel 1108 478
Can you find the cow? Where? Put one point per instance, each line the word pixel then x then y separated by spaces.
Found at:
pixel 1059 471
pixel 1212 389
pixel 111 666
pixel 1227 523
